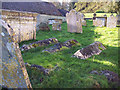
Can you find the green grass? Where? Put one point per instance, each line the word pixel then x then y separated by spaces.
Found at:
pixel 90 15
pixel 73 72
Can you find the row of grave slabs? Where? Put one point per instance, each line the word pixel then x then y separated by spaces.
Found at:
pixel 14 73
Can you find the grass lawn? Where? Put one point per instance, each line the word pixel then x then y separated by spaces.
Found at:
pixel 90 15
pixel 73 72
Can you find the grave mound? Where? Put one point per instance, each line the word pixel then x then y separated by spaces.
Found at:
pixel 61 46
pixel 93 49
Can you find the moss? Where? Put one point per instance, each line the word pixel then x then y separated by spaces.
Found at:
pixel 63 48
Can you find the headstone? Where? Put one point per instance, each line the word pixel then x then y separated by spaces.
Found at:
pixel 14 73
pixel 56 26
pixel 100 21
pixel 111 21
pixel 93 49
pixel 74 23
pixel 39 44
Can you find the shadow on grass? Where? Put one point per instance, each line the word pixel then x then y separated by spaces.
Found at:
pixel 72 68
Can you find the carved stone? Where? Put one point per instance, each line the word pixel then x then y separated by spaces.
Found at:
pixel 74 23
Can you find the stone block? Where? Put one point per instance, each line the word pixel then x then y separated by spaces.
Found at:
pixel 39 44
pixel 93 49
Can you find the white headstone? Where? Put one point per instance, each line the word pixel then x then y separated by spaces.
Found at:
pixel 74 23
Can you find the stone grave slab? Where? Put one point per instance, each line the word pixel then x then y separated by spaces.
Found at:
pixel 74 23
pixel 39 44
pixel 61 46
pixel 14 73
pixel 111 22
pixel 93 49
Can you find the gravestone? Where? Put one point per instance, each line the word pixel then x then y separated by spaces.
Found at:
pixel 74 23
pixel 56 26
pixel 39 44
pixel 93 49
pixel 100 21
pixel 111 21
pixel 14 73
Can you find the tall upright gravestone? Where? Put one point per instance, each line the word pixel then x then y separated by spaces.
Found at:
pixel 14 73
pixel 74 23
pixel 111 21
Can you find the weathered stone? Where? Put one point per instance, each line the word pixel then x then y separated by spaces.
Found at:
pixel 111 21
pixel 40 68
pixel 93 49
pixel 94 72
pixel 100 21
pixel 111 76
pixel 84 22
pixel 74 23
pixel 61 46
pixel 23 24
pixel 82 19
pixel 14 73
pixel 39 44
pixel 56 26
pixel 43 26
pixel 118 20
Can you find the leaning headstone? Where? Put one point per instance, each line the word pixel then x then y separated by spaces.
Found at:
pixel 74 23
pixel 56 26
pixel 61 46
pixel 111 21
pixel 93 49
pixel 39 44
pixel 14 73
